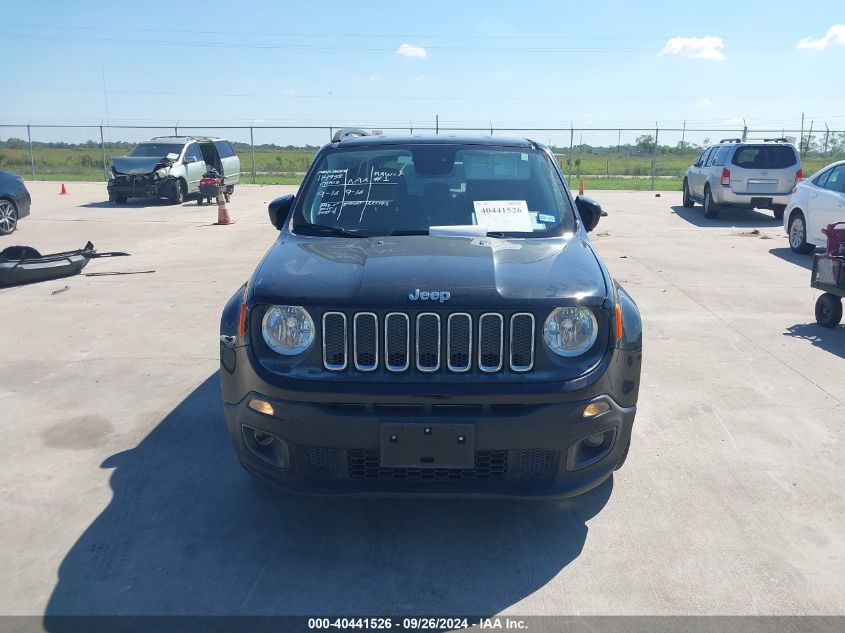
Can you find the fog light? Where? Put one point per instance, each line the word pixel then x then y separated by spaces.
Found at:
pixel 262 438
pixel 595 408
pixel 262 406
pixel 594 441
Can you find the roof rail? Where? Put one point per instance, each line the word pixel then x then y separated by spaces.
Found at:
pixel 347 133
pixel 776 140
pixel 731 140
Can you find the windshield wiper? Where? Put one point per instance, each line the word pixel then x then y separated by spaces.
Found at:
pixel 324 229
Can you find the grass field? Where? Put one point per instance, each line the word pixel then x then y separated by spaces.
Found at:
pixel 606 170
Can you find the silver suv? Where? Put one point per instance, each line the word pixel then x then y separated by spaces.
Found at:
pixel 743 174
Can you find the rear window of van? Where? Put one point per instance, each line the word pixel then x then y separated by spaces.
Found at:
pixel 765 157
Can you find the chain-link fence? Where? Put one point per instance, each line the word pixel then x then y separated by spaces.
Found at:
pixel 606 158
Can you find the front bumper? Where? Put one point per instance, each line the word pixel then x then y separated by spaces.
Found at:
pixel 525 445
pixel 725 196
pixel 142 185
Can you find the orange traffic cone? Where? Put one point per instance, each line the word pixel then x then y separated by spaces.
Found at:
pixel 63 192
pixel 222 212
pixel 581 188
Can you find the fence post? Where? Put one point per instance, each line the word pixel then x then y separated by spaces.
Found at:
pixel 331 133
pixel 252 145
pixel 571 141
pixel 654 158
pixel 619 142
pixel 103 147
pixel 437 124
pixel 176 129
pixel 31 157
pixel 683 136
pixel 826 136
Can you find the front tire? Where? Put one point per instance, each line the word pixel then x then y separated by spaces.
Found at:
pixel 8 217
pixel 711 209
pixel 687 200
pixel 828 310
pixel 798 235
pixel 180 189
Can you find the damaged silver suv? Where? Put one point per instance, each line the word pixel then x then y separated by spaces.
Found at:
pixel 171 167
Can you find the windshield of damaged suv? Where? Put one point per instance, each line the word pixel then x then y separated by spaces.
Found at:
pixel 155 150
pixel 407 189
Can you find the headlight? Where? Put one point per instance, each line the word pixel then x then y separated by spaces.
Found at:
pixel 570 331
pixel 288 330
pixel 161 173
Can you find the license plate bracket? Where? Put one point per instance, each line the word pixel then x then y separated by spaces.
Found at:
pixel 422 445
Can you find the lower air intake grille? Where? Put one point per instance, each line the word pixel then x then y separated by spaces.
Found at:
pixel 536 464
pixel 321 460
pixel 489 465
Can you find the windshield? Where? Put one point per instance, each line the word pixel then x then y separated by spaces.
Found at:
pixel 155 150
pixel 408 189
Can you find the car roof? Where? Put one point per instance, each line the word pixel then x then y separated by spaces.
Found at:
pixel 183 139
pixel 430 139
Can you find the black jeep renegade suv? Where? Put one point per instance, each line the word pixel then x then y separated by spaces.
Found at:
pixel 431 319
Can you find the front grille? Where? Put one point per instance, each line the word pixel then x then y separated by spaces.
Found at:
pixel 489 465
pixel 483 342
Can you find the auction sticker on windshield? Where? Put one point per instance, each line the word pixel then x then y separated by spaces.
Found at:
pixel 503 215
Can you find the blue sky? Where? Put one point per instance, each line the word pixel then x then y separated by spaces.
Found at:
pixel 597 63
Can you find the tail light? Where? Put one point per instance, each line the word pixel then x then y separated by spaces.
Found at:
pixel 726 176
pixel 799 176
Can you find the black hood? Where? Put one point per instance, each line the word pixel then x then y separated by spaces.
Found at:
pixel 380 272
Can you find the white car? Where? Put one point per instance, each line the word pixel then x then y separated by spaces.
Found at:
pixel 815 203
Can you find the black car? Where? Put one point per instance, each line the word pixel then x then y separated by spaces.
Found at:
pixel 14 201
pixel 432 318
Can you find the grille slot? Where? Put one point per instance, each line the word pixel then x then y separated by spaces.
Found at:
pixel 489 465
pixel 334 340
pixel 490 342
pixel 365 341
pixel 459 342
pixel 397 344
pixel 522 342
pixel 428 341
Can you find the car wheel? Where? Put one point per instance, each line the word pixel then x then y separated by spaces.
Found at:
pixel 622 459
pixel 778 210
pixel 8 217
pixel 119 199
pixel 688 202
pixel 798 235
pixel 711 209
pixel 230 189
pixel 180 189
pixel 828 310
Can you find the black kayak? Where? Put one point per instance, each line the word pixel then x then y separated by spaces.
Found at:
pixel 25 265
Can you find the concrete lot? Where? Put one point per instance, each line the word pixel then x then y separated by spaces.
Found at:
pixel 120 492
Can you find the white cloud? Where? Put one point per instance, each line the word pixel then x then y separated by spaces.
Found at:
pixel 835 36
pixel 705 102
pixel 709 47
pixel 409 50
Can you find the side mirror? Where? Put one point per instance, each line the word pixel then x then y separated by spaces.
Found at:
pixel 279 209
pixel 589 210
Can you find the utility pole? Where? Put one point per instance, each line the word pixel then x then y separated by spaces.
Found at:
pixel 654 157
pixel 437 124
pixel 809 136
pixel 31 156
pixel 801 138
pixel 826 136
pixel 683 136
pixel 103 147
pixel 252 145
pixel 571 141
pixel 744 131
